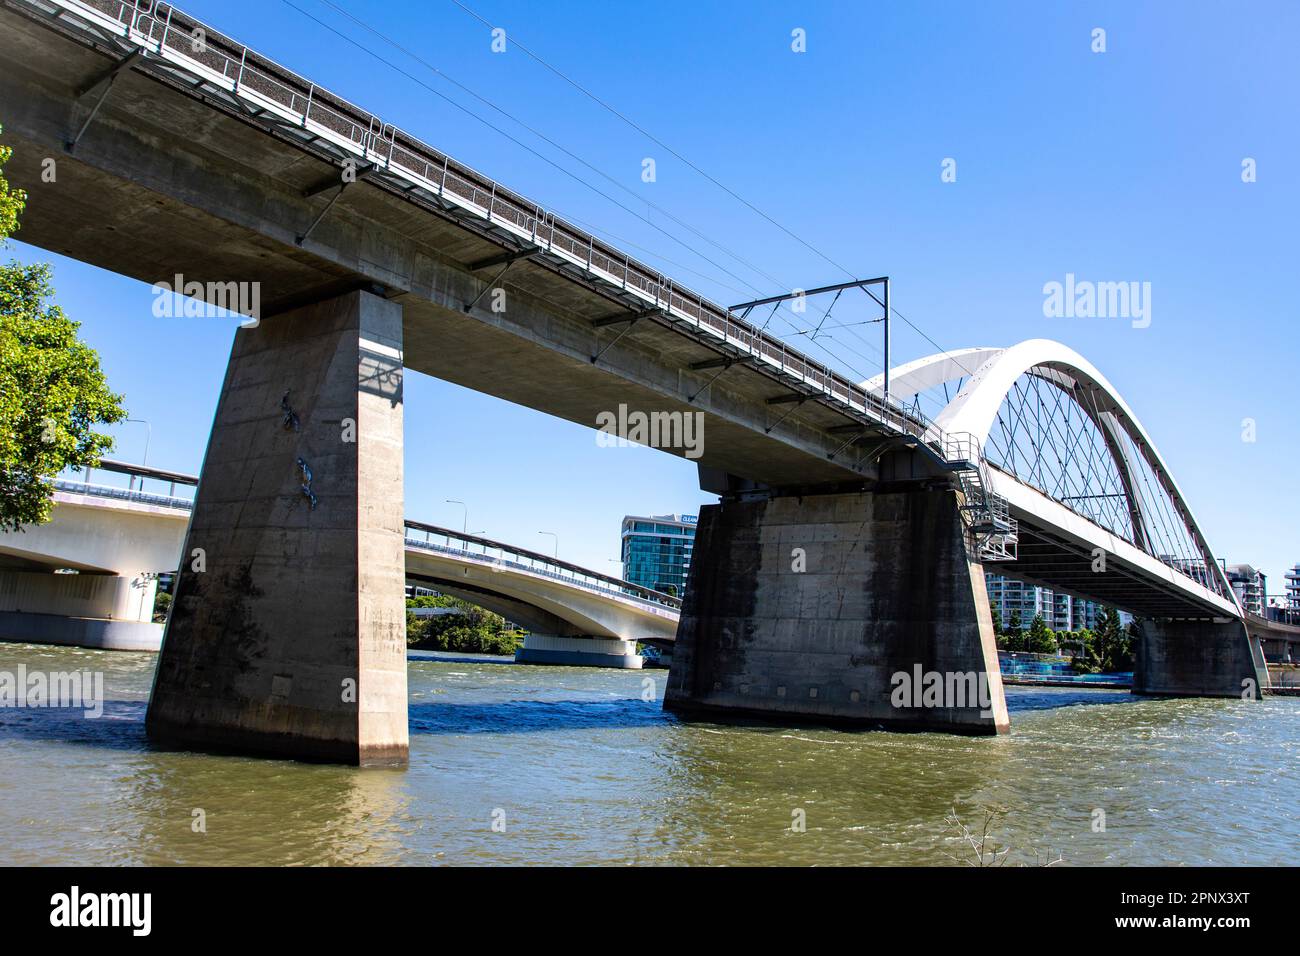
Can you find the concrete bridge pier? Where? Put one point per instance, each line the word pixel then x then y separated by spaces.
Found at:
pixel 287 636
pixel 1191 658
pixel 857 608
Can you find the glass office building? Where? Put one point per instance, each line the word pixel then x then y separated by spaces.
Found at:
pixel 657 551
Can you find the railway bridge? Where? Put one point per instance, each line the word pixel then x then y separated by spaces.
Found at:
pixel 850 537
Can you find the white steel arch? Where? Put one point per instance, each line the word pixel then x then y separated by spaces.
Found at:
pixel 988 384
pixel 932 371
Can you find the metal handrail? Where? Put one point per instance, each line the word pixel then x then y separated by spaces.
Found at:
pixel 122 494
pixel 576 574
pixel 169 34
pixel 636 590
pixel 629 591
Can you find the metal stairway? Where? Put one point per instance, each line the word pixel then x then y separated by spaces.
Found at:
pixel 987 515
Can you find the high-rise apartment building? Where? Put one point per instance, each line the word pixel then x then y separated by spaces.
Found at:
pixel 1249 586
pixel 1059 611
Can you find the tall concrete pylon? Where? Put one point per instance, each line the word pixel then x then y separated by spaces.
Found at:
pixel 288 632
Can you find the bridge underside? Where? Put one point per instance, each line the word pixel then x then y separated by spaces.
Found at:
pixel 169 180
pixel 1050 559
pixel 551 639
pixel 1184 647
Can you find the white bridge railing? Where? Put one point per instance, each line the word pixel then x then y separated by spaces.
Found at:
pixel 499 555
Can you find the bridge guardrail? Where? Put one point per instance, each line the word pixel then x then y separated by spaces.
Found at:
pixel 123 494
pixel 663 600
pixel 537 563
pixel 169 34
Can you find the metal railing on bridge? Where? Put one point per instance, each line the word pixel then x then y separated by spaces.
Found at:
pixel 499 554
pixel 423 175
pixel 137 475
pixel 987 515
pixel 505 556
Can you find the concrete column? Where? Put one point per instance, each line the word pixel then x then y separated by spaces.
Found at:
pixel 863 609
pixel 1198 659
pixel 287 636
pixel 578 651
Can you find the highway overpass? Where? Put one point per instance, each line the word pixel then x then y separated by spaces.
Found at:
pixel 120 540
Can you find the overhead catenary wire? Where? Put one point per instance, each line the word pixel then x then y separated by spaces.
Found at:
pixel 515 42
pixel 522 145
pixel 545 138
pixel 398 69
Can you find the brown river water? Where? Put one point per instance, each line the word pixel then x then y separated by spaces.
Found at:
pixel 520 764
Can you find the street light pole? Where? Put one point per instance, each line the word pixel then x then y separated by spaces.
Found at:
pixel 557 541
pixel 464 525
pixel 148 435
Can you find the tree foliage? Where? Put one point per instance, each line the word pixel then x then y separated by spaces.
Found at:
pixel 52 390
pixel 12 201
pixel 474 630
pixel 1040 639
pixel 1112 643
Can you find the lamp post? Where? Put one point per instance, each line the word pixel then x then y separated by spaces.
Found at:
pixel 557 541
pixel 464 524
pixel 148 435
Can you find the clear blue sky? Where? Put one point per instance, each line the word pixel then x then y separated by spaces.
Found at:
pixel 1124 165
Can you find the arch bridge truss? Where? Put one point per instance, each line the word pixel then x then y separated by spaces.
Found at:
pixel 1057 441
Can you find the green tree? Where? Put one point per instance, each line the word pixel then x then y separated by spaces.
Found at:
pixel 1040 639
pixel 473 631
pixel 1015 632
pixel 162 603
pixel 1112 644
pixel 12 201
pixel 52 390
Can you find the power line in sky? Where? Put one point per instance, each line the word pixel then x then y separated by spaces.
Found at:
pixel 440 73
pixel 704 173
pixel 795 329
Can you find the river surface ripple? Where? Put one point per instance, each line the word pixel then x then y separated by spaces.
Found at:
pixel 574 767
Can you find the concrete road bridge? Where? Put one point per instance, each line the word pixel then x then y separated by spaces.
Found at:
pixel 119 540
pixel 849 541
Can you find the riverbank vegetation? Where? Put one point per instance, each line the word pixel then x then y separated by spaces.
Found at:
pixel 461 626
pixel 1106 649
